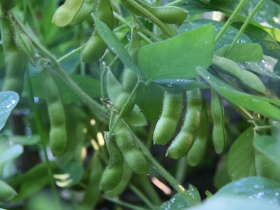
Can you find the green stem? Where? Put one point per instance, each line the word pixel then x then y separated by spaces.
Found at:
pixel 170 179
pixel 245 24
pixel 153 18
pixel 142 196
pixel 230 20
pixel 42 136
pixel 181 169
pixel 34 18
pixel 130 206
pixel 124 107
pixel 150 135
pixel 72 52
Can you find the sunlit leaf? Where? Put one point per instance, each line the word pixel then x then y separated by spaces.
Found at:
pixel 178 57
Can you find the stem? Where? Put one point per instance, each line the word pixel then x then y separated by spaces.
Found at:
pixel 130 206
pixel 153 18
pixel 150 135
pixel 230 20
pixel 181 168
pixel 245 24
pixel 34 18
pixel 170 179
pixel 72 52
pixel 142 196
pixel 173 3
pixel 124 107
pixel 42 136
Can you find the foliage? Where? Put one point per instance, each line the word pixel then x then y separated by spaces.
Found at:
pixel 84 103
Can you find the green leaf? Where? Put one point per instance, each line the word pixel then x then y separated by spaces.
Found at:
pixel 179 85
pixel 227 37
pixel 267 156
pixel 250 102
pixel 179 202
pixel 242 52
pixel 149 99
pixel 253 188
pixel 234 203
pixel 114 44
pixel 6 192
pixel 8 101
pixel 241 157
pixel 178 57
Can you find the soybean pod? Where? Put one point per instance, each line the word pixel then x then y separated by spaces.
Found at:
pixel 58 134
pixel 166 14
pixel 112 175
pixel 167 123
pixel 217 113
pixel 65 14
pixel 95 46
pixel 14 59
pixel 131 154
pixel 188 133
pixel 199 146
pixel 129 80
pixel 247 78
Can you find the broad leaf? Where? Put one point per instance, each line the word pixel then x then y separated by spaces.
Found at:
pixel 234 203
pixel 114 44
pixel 254 188
pixel 242 52
pixel 250 102
pixel 8 101
pixel 226 38
pixel 241 158
pixel 178 57
pixel 9 151
pixel 180 202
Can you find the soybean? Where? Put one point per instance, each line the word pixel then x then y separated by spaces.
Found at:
pixel 131 154
pixel 188 133
pixel 247 78
pixel 65 14
pixel 58 134
pixel 95 46
pixel 112 175
pixel 199 146
pixel 217 113
pixel 167 123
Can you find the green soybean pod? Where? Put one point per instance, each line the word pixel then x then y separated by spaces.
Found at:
pixel 6 192
pixel 131 154
pixel 167 123
pixel 129 80
pixel 188 133
pixel 217 112
pixel 124 182
pixel 197 151
pixel 247 78
pixel 14 59
pixel 166 14
pixel 112 175
pixel 65 13
pixel 84 12
pixel 58 134
pixel 95 46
